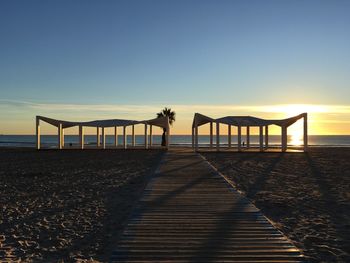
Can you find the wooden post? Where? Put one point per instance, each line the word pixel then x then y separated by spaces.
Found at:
pixel 37 133
pixel 146 146
pixel 261 138
pixel 192 138
pixel 62 139
pixel 133 135
pixel 305 133
pixel 124 137
pixel 59 136
pixel 115 136
pixel 284 138
pixel 81 137
pixel 266 136
pixel 211 134
pixel 98 137
pixel 150 136
pixel 217 136
pixel 103 138
pixel 239 140
pixel 196 138
pixel 248 136
pixel 229 136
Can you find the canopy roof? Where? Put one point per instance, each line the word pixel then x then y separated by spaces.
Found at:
pixel 160 122
pixel 200 119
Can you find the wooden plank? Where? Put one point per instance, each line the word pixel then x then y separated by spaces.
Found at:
pixel 189 213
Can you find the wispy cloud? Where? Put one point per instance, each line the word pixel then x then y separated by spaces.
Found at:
pixel 192 108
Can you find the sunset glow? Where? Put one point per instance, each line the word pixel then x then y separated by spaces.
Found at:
pixel 296 138
pixel 129 61
pixel 322 119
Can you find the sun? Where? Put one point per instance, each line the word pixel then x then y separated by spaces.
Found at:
pixel 296 130
pixel 296 137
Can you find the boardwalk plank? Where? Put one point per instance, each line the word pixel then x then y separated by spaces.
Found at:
pixel 188 213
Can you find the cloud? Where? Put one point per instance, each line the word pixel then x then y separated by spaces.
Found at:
pixel 133 109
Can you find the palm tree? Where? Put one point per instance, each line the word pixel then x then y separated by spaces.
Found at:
pixel 166 113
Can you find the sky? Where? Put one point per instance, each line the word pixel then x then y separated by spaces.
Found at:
pixel 84 60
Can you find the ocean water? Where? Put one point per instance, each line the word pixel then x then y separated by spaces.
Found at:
pixel 50 141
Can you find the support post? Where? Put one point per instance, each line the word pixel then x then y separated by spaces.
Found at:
pixel 124 137
pixel 98 137
pixel 133 135
pixel 196 137
pixel 217 136
pixel 150 136
pixel 146 145
pixel 305 133
pixel 266 136
pixel 239 140
pixel 284 138
pixel 103 138
pixel 62 138
pixel 81 137
pixel 59 136
pixel 115 136
pixel 248 137
pixel 229 136
pixel 37 133
pixel 192 138
pixel 261 138
pixel 211 134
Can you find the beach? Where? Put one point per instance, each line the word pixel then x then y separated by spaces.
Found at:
pixel 305 195
pixel 70 205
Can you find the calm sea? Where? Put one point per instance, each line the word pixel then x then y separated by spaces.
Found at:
pixel 50 141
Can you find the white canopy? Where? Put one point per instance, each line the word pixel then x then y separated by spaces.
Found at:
pixel 246 121
pixel 200 119
pixel 162 122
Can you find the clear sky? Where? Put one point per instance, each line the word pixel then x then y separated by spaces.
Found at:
pixel 81 60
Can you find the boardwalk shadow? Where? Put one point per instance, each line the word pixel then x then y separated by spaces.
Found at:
pixel 214 246
pixel 180 168
pixel 263 176
pixel 328 205
pixel 157 202
pixel 243 158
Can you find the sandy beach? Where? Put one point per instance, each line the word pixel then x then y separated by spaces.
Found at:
pixel 305 195
pixel 68 206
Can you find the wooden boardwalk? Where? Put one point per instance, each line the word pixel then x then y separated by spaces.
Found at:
pixel 189 213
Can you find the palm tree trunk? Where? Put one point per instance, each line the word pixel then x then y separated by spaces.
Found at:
pixel 163 137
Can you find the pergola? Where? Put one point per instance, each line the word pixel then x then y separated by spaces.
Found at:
pixel 61 125
pixel 246 121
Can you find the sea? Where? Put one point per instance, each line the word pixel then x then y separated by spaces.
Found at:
pixel 50 141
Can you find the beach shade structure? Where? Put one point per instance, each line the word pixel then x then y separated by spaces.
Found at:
pixel 246 122
pixel 162 122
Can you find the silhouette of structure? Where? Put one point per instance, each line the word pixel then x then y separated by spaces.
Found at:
pixel 102 124
pixel 246 121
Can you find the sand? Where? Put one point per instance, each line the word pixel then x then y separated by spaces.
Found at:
pixel 305 195
pixel 68 206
